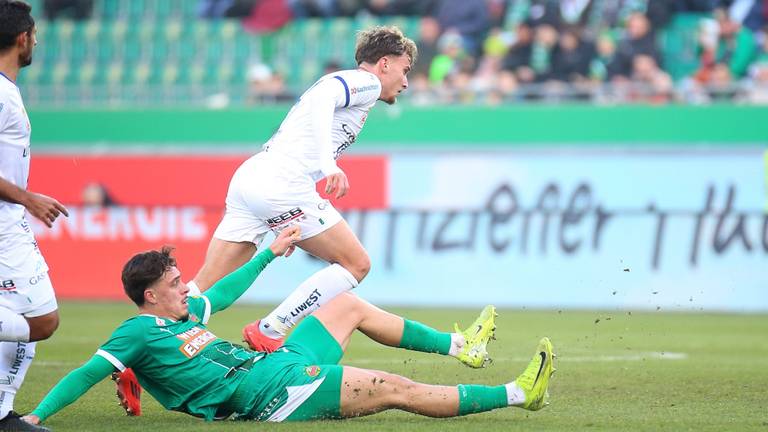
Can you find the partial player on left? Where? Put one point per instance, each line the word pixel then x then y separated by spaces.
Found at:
pixel 28 308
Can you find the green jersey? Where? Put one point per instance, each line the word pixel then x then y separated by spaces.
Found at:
pixel 181 363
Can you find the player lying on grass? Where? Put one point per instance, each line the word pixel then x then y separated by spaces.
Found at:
pixel 188 369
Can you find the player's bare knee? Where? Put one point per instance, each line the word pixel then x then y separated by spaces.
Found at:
pixel 360 266
pixel 351 304
pixel 397 391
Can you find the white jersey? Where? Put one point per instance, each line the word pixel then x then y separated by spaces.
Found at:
pixel 20 259
pixel 325 121
pixel 15 131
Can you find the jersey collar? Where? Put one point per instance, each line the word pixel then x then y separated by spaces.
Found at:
pixel 6 77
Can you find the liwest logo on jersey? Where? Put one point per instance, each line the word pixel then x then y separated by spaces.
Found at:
pixel 280 221
pixel 195 339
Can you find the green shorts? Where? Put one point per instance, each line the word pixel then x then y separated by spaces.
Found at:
pixel 308 365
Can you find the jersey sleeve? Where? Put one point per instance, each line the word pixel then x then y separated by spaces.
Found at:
pixel 125 346
pixel 324 98
pixel 72 386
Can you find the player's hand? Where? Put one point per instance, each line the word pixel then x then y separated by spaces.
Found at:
pixel 31 419
pixel 285 243
pixel 44 208
pixel 337 183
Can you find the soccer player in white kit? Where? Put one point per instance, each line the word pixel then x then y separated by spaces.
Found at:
pixel 28 309
pixel 276 187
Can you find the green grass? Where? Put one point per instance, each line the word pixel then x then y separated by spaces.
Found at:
pixel 627 371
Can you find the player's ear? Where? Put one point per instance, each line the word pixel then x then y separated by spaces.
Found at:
pixel 150 296
pixel 22 39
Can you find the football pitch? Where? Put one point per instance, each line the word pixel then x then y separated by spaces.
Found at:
pixel 617 370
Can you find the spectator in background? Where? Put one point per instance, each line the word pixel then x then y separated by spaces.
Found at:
pixel 713 78
pixel 214 9
pixel 313 8
pixel 497 10
pixel 96 195
pixel 639 40
pixel 571 58
pixel 542 12
pixel 448 60
pixel 651 84
pixel 429 32
pixel 758 75
pixel 468 18
pixel 491 81
pixel 397 7
pixel 518 58
pixel 575 12
pixel 75 9
pixel 694 5
pixel 601 65
pixel 736 46
pixel 542 52
pixel 748 13
pixel 266 86
pixel 267 16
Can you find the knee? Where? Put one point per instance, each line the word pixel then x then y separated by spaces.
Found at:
pixel 43 327
pixel 397 390
pixel 360 266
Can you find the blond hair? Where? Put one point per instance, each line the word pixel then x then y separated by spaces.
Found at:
pixel 381 41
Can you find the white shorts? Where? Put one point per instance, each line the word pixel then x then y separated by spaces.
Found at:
pixel 25 287
pixel 267 194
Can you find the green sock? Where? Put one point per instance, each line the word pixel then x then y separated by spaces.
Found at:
pixel 418 337
pixel 480 398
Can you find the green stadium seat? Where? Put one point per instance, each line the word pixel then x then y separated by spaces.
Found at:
pixel 133 47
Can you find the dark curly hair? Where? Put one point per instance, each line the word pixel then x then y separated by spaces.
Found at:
pixel 144 269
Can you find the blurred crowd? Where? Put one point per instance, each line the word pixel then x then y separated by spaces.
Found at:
pixel 495 51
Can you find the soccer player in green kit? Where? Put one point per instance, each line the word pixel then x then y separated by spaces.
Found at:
pixel 188 369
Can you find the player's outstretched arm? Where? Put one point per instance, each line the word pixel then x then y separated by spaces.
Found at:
pixel 224 292
pixel 71 387
pixel 38 205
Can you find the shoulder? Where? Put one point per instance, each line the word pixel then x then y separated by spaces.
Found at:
pixel 363 87
pixel 133 329
pixel 360 79
pixel 138 321
pixel 8 89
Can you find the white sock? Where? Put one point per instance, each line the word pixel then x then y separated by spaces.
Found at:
pixel 13 327
pixel 515 395
pixel 457 343
pixel 314 292
pixel 194 290
pixel 15 358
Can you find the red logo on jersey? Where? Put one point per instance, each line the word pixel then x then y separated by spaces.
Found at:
pixel 195 339
pixel 312 371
